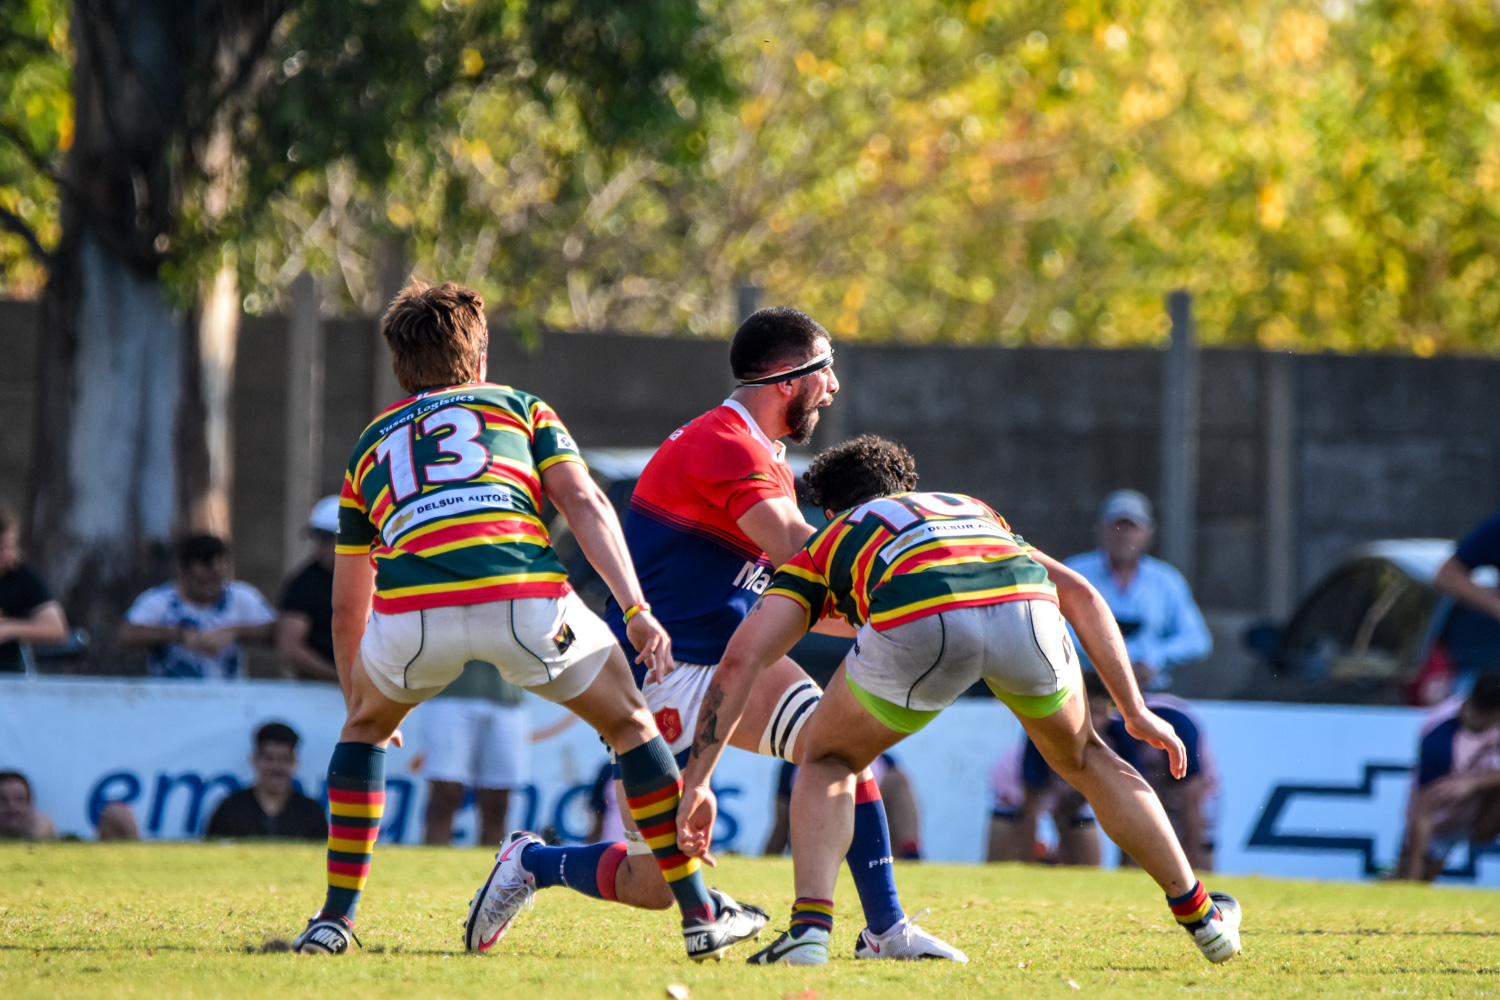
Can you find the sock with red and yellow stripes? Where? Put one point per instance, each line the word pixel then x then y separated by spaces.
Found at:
pixel 653 788
pixel 808 913
pixel 356 801
pixel 1193 908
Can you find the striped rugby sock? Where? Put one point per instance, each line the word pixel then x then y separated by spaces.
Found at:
pixel 808 913
pixel 356 801
pixel 653 788
pixel 1193 908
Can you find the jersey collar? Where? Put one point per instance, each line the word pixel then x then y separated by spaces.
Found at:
pixel 776 448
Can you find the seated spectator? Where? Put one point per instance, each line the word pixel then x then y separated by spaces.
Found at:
pixel 1025 788
pixel 475 734
pixel 27 611
pixel 117 822
pixel 272 807
pixel 19 818
pixel 902 813
pixel 304 627
pixel 1150 600
pixel 1190 800
pixel 1472 631
pixel 193 627
pixel 1455 793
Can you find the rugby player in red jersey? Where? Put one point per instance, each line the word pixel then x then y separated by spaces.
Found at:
pixel 944 594
pixel 442 559
pixel 713 514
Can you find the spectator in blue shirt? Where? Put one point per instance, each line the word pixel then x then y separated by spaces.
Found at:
pixel 1162 625
pixel 1472 631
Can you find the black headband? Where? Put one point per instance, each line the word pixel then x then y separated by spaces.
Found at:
pixel 816 364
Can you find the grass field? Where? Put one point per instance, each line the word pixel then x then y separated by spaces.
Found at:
pixel 156 920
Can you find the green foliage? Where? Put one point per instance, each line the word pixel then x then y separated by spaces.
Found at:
pixel 191 920
pixel 1035 171
pixel 1322 175
pixel 36 130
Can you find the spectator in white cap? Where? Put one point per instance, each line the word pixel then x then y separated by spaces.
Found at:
pixel 304 625
pixel 1162 625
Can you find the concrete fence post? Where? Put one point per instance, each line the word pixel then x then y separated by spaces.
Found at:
pixel 1279 417
pixel 1180 420
pixel 304 417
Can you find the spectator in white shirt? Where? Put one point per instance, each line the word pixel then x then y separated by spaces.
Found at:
pixel 193 628
pixel 1150 600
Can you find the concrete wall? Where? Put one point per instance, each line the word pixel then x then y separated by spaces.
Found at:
pixel 1379 446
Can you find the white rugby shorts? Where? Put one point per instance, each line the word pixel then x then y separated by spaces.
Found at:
pixel 676 701
pixel 552 646
pixel 1020 648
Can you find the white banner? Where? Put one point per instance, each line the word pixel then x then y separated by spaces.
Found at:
pixel 1308 791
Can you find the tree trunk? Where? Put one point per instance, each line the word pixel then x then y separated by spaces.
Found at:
pixel 102 464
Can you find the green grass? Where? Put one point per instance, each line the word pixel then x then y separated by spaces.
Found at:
pixel 159 921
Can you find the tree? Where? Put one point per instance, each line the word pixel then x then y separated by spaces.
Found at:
pixel 141 136
pixel 1322 175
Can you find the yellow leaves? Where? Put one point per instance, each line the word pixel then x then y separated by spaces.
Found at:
pixel 1270 207
pixel 400 215
pixel 1355 155
pixel 1142 104
pixel 1112 37
pixel 847 324
pixel 1487 173
pixel 807 62
pixel 755 111
pixel 1277 334
pixel 472 62
pixel 1298 38
pixel 1423 345
pixel 874 39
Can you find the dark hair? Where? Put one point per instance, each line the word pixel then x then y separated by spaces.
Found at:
pixel 436 334
pixel 201 550
pixel 772 337
pixel 1486 693
pixel 276 732
pixel 867 467
pixel 17 776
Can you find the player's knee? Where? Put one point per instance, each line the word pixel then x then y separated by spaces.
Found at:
pixel 630 730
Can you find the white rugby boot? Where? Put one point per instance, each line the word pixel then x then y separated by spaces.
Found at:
pixel 732 923
pixel 325 936
pixel 905 940
pixel 809 949
pixel 507 892
pixel 1219 937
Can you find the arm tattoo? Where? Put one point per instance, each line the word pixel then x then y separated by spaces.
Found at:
pixel 707 728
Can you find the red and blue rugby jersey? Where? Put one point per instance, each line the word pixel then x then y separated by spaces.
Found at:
pixel 700 572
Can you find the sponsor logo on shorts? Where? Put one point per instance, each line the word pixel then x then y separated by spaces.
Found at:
pixel 564 638
pixel 669 724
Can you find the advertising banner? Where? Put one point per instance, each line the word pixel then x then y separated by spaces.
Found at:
pixel 1307 791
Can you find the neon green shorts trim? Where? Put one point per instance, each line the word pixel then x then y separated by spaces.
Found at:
pixel 1034 706
pixel 891 715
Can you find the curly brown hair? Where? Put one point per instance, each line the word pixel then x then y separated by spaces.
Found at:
pixel 858 470
pixel 436 334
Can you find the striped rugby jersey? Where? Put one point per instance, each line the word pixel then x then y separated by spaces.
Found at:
pixel 444 491
pixel 906 556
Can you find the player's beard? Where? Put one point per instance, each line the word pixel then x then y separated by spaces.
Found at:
pixel 802 416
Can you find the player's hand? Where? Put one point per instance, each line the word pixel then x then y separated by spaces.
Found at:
pixel 1156 731
pixel 695 822
pixel 652 644
pixel 210 640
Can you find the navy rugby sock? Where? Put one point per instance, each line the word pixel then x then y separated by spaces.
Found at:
pixel 870 861
pixel 589 869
